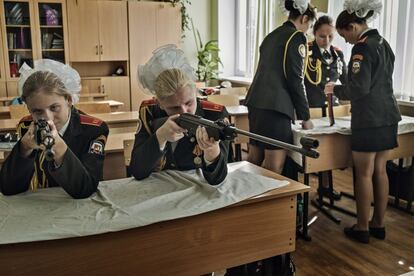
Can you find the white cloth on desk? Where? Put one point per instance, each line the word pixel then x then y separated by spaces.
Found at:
pixel 122 204
pixel 342 126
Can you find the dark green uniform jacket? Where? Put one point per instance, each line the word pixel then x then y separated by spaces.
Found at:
pixel 279 80
pixel 82 166
pixel 147 156
pixel 369 85
pixel 336 70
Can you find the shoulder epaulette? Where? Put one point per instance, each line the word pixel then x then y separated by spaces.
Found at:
pixel 27 118
pixel 149 102
pixel 206 105
pixel 89 120
pixel 362 40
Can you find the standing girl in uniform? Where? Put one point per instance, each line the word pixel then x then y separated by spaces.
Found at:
pixel 278 89
pixel 326 63
pixel 375 114
pixel 75 160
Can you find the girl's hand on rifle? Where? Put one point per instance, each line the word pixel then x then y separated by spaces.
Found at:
pixel 210 147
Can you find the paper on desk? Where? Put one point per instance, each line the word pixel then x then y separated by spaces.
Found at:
pixel 122 204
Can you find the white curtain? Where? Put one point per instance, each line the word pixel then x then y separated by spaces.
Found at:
pixel 265 23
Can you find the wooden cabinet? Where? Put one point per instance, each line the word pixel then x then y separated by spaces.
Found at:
pixel 112 87
pixel 151 24
pixel 98 30
pixel 117 88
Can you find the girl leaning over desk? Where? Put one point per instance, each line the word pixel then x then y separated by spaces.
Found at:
pixel 375 114
pixel 50 90
pixel 278 90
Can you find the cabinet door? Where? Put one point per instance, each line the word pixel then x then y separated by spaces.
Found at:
pixel 117 89
pixel 168 27
pixel 3 89
pixel 83 30
pixel 51 29
pixel 113 30
pixel 12 88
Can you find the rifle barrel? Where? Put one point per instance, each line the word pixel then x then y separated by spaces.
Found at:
pixel 305 151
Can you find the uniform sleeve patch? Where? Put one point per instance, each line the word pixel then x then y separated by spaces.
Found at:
pixel 97 147
pixel 302 50
pixel 88 120
pixel 356 66
pixel 357 57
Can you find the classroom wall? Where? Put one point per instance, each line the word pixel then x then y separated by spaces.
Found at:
pixel 204 15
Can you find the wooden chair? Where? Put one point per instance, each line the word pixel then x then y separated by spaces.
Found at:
pixel 239 91
pixel 342 110
pixel 315 112
pixel 91 108
pixel 128 146
pixel 339 111
pixel 226 100
pixel 18 111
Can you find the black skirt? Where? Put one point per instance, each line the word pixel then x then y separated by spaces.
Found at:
pixel 271 124
pixel 374 139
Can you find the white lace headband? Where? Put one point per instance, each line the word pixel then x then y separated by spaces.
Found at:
pixel 362 7
pixel 69 76
pixel 163 58
pixel 300 5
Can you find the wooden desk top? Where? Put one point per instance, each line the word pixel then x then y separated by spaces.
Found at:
pixel 118 117
pixel 111 103
pixel 254 229
pixel 5 99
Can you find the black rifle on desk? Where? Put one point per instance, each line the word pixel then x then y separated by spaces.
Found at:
pixel 221 130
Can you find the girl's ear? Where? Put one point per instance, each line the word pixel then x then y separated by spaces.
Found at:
pixel 304 19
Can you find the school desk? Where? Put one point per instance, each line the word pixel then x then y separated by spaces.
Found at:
pixel 335 152
pixel 253 229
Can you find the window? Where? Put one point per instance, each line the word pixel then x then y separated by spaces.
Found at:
pixel 246 11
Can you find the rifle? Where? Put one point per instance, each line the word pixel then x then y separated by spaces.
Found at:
pixel 221 130
pixel 44 137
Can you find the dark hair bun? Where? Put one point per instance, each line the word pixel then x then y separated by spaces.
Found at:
pixel 289 5
pixel 369 14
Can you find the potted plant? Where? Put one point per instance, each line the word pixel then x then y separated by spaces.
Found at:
pixel 208 58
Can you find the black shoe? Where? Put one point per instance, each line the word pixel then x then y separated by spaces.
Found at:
pixel 358 235
pixel 377 232
pixel 326 192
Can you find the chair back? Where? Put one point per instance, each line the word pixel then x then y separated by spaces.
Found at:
pixel 342 110
pixel 18 111
pixel 91 108
pixel 226 100
pixel 315 112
